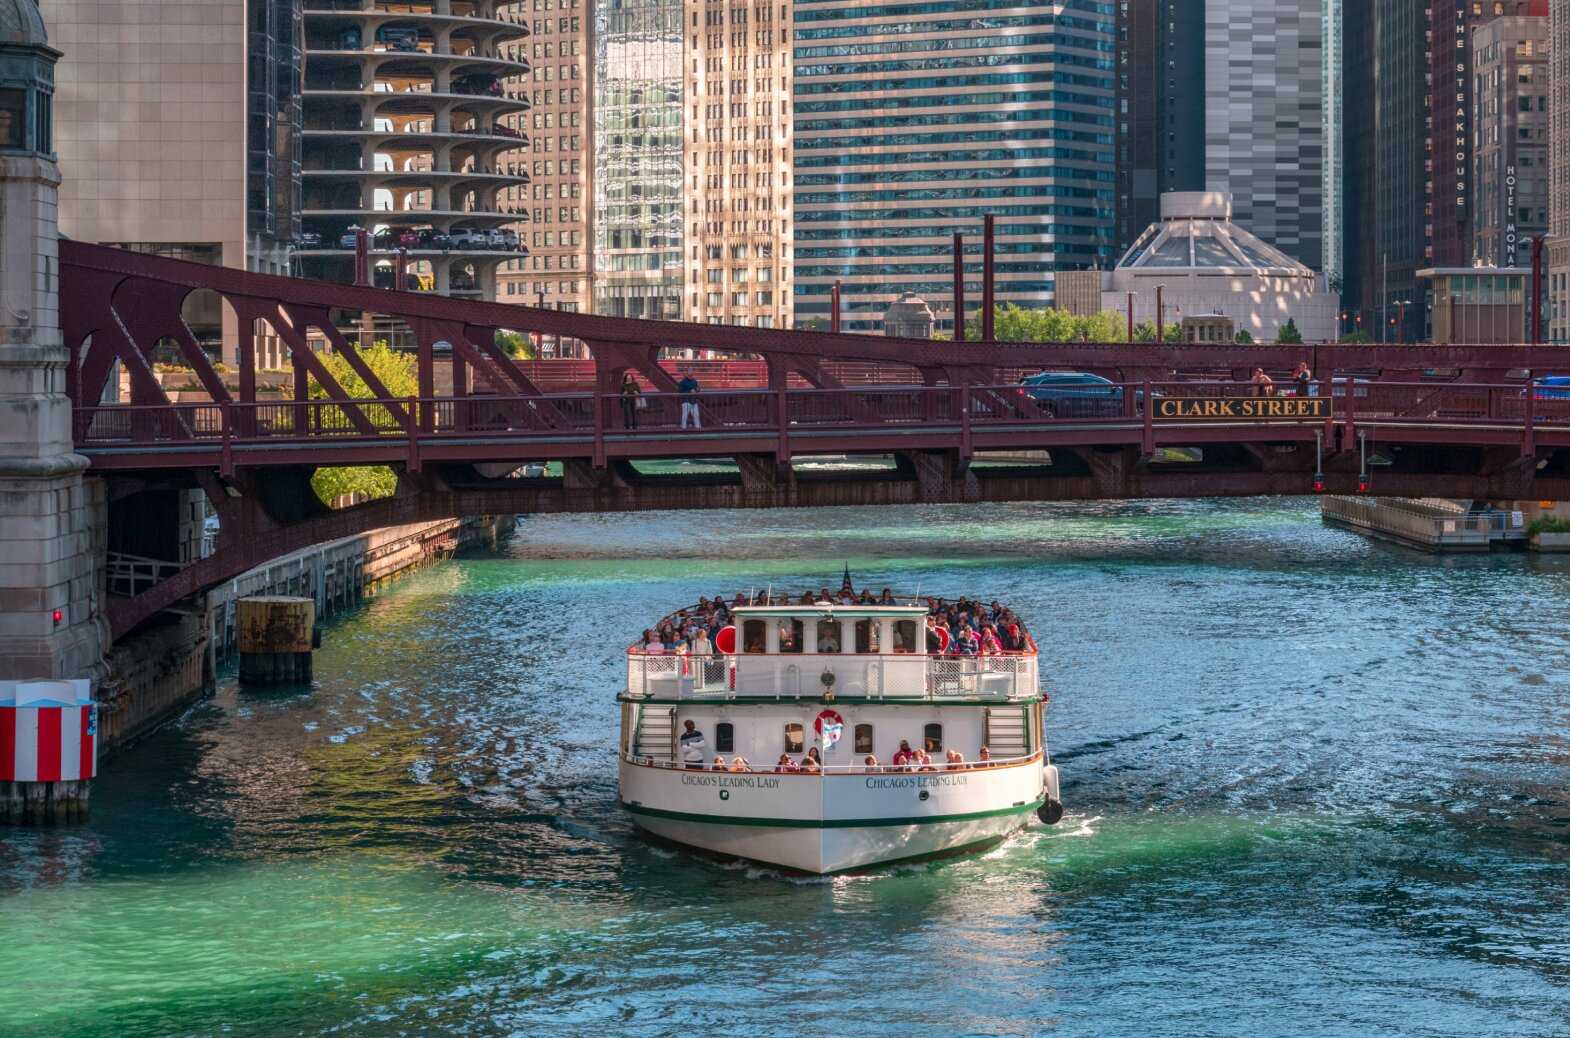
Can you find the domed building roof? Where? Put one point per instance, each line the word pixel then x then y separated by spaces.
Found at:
pixel 21 22
pixel 1196 235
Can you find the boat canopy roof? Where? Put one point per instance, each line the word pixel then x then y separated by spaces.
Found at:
pixel 826 609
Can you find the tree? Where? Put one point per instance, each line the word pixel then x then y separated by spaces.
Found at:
pixel 1145 331
pixel 397 372
pixel 1244 338
pixel 1356 337
pixel 516 346
pixel 1103 327
pixel 1288 333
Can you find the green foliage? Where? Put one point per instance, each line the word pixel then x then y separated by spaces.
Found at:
pixel 516 345
pixel 1244 338
pixel 397 372
pixel 1289 333
pixel 1357 337
pixel 1011 323
pixel 1548 524
pixel 1145 331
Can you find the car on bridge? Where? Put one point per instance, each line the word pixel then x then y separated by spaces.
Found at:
pixel 1079 394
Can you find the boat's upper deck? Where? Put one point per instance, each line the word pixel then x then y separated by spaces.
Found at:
pixel 813 647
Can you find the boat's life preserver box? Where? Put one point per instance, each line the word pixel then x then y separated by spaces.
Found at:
pixel 725 640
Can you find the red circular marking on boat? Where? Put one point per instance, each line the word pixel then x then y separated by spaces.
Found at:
pixel 725 640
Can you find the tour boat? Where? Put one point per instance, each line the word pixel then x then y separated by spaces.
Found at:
pixel 851 682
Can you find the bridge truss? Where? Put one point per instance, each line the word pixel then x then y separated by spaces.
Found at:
pixel 949 420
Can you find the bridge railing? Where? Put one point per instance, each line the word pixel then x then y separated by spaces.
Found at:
pixel 761 410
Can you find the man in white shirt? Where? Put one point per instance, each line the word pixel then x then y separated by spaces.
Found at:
pixel 692 746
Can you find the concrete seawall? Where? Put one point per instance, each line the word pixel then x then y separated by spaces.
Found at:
pixel 155 674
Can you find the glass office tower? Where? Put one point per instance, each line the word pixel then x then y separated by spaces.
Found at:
pixel 638 83
pixel 913 121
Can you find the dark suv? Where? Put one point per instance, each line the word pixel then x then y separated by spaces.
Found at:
pixel 1078 394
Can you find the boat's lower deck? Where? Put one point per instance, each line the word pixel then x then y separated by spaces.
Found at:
pixel 832 822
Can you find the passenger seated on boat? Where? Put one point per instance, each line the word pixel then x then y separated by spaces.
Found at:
pixel 650 643
pixel 866 598
pixel 719 763
pixel 1012 638
pixel 990 646
pixel 786 764
pixel 871 762
pixel 887 598
pixel 812 762
pixel 924 761
pixel 701 646
pixel 806 598
pixel 903 756
pixel 984 758
pixel 739 763
pixel 955 759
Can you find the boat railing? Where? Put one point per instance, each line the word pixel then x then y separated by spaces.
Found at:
pixel 1010 676
pixel 937 767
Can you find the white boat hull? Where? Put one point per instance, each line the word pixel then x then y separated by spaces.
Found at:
pixel 826 824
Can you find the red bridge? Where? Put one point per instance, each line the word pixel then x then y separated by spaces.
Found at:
pixel 933 421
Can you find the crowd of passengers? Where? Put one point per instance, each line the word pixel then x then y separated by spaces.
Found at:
pixel 905 759
pixel 973 628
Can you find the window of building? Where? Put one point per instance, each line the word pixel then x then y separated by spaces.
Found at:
pixel 13 118
pixel 866 636
pixel 904 636
pixel 795 738
pixel 724 737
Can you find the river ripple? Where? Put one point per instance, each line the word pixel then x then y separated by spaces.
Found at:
pixel 1316 785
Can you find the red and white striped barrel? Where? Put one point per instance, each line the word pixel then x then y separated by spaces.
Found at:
pixel 48 732
pixel 48 743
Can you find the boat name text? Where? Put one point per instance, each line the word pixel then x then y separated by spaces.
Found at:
pixel 742 781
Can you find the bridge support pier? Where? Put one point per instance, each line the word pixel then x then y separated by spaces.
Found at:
pixel 942 476
pixel 52 520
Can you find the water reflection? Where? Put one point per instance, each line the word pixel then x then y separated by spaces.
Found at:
pixel 1303 770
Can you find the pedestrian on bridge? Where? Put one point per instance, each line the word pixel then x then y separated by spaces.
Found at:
pixel 688 388
pixel 631 397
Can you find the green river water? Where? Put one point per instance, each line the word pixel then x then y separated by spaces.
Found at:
pixel 1315 786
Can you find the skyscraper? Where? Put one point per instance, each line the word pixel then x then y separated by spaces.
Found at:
pixel 1234 96
pixel 1389 200
pixel 1333 112
pixel 914 121
pixel 1264 121
pixel 1510 99
pixel 560 136
pixel 692 161
pixel 1161 108
pixel 1559 171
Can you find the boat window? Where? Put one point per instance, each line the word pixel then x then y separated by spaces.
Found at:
pixel 932 738
pixel 866 636
pixel 790 635
pixel 864 738
pixel 755 637
pixel 724 737
pixel 795 738
pixel 904 636
pixel 828 636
